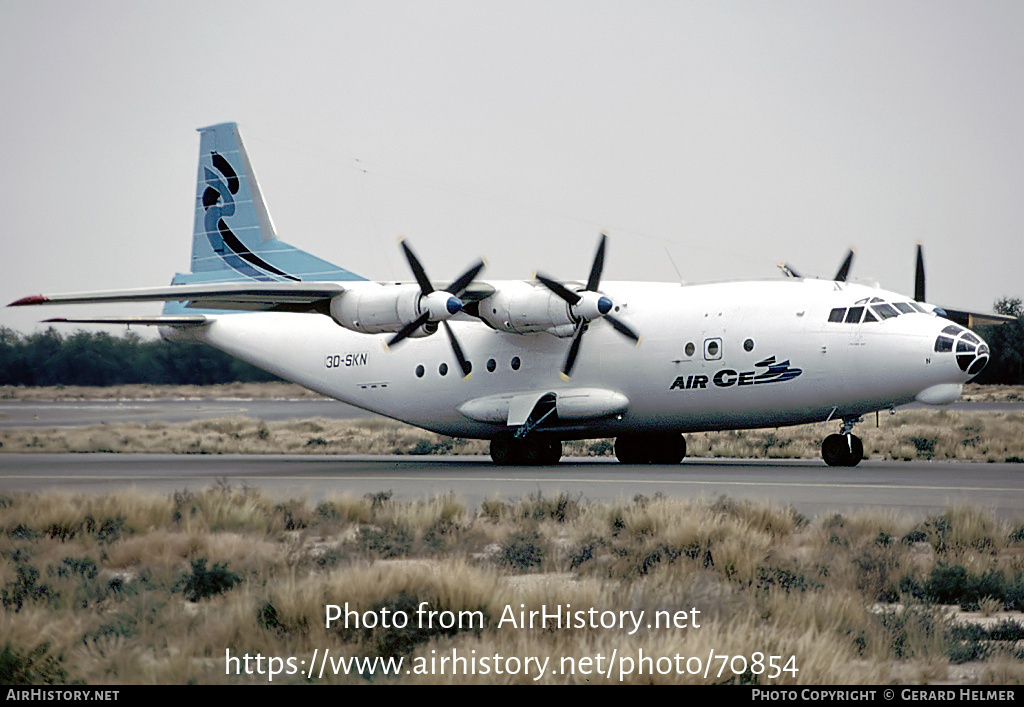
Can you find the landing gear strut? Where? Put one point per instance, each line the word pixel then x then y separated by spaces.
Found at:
pixel 507 450
pixel 845 448
pixel 668 448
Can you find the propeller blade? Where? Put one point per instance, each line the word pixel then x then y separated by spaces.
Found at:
pixel 594 281
pixel 463 281
pixel 559 289
pixel 457 350
pixel 409 329
pixel 574 350
pixel 788 270
pixel 844 269
pixel 417 270
pixel 622 328
pixel 919 276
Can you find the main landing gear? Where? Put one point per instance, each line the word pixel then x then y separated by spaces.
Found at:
pixel 507 450
pixel 537 450
pixel 845 448
pixel 668 448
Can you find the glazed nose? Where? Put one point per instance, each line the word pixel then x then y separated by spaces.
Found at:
pixel 972 353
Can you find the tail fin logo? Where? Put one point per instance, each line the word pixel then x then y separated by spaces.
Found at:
pixel 219 204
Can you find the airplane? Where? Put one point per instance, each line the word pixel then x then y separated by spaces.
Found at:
pixel 528 364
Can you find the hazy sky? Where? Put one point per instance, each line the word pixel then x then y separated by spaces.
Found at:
pixel 728 135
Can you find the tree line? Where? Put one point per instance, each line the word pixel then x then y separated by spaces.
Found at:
pixel 100 359
pixel 1007 344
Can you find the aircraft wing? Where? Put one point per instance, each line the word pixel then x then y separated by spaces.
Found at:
pixel 974 319
pixel 170 320
pixel 241 296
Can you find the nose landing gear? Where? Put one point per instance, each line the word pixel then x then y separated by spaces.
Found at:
pixel 845 448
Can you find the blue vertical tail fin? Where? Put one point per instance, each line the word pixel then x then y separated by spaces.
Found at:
pixel 233 237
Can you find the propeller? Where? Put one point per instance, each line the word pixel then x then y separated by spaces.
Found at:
pixel 841 274
pixel 919 276
pixel 844 269
pixel 438 305
pixel 587 305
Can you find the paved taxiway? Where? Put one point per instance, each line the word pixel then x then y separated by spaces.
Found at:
pixel 918 488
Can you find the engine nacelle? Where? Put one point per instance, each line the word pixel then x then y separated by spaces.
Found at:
pixel 525 309
pixel 372 308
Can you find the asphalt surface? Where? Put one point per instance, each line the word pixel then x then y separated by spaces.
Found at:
pixel 918 488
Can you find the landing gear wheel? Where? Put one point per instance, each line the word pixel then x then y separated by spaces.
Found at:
pixel 536 452
pixel 669 448
pixel 629 449
pixel 506 450
pixel 842 450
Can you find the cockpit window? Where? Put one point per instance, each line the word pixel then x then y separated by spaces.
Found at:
pixel 885 311
pixel 874 309
pixel 943 344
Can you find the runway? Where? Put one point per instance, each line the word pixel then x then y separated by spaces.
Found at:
pixel 917 488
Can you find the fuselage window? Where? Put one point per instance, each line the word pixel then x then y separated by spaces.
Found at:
pixel 748 345
pixel 690 348
pixel 443 369
pixel 885 311
pixel 420 370
pixel 837 314
pixel 712 349
pixel 491 365
pixel 853 316
pixel 516 363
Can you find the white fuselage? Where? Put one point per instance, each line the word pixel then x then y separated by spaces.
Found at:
pixel 712 356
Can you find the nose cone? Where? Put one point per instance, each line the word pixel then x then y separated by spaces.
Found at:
pixel 971 352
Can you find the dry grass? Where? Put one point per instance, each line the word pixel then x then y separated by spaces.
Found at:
pixel 94 589
pixel 289 391
pixel 913 434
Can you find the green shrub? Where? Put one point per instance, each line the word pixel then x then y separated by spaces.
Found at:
pixel 204 583
pixel 523 552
